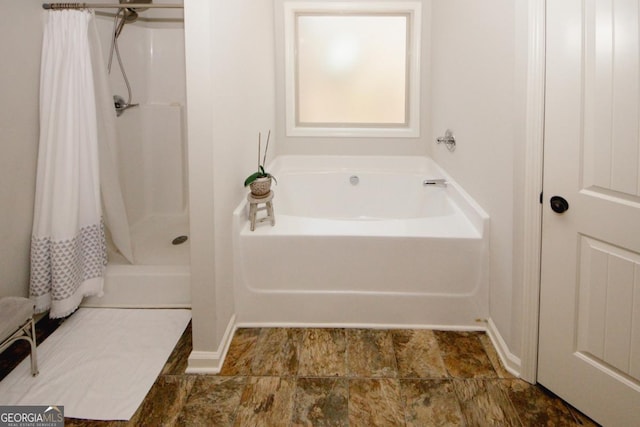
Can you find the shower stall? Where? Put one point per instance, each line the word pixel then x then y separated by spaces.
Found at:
pixel 151 156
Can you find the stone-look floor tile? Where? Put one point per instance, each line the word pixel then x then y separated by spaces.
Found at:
pixel 323 353
pixel 484 402
pixel 417 354
pixel 179 358
pixel 175 398
pixel 212 401
pixel 370 354
pixel 321 402
pixel 375 402
pixel 241 352
pixel 535 407
pixel 431 403
pixel 266 401
pixel 492 354
pixel 276 352
pixel 464 356
pixel 165 400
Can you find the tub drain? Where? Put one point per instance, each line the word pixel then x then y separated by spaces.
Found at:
pixel 179 240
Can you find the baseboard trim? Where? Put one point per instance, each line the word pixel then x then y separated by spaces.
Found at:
pixel 510 361
pixel 210 362
pixel 341 325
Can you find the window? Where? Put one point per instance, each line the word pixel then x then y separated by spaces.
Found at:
pixel 352 69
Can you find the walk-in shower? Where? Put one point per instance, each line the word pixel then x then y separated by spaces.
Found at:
pixel 151 154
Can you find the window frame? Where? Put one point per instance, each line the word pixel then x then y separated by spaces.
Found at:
pixel 412 10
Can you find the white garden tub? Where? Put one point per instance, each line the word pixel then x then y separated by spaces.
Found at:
pixel 362 241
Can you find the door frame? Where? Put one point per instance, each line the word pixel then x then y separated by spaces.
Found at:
pixel 534 143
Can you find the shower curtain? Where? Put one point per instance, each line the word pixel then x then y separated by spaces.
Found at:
pixel 68 250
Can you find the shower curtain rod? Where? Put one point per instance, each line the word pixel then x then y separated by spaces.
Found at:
pixel 56 6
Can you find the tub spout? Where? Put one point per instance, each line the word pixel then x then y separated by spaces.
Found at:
pixel 439 182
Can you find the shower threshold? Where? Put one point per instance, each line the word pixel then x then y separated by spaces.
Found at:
pixel 161 276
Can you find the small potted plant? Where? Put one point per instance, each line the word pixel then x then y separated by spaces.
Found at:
pixel 260 182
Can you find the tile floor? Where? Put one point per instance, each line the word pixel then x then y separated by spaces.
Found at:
pixel 348 377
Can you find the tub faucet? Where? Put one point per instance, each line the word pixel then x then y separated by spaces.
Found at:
pixel 439 182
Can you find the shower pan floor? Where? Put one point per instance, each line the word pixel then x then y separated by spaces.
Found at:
pixel 161 274
pixel 152 241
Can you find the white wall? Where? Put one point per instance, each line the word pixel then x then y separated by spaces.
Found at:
pixel 21 35
pixel 198 57
pixel 243 94
pixel 519 160
pixel 230 98
pixel 476 92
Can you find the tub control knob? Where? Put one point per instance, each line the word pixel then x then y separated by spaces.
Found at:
pixel 559 204
pixel 354 180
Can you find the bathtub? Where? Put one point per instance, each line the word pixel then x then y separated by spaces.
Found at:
pixel 363 242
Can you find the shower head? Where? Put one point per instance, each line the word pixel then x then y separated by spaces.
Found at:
pixel 128 15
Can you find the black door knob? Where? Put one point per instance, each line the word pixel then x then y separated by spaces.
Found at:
pixel 559 204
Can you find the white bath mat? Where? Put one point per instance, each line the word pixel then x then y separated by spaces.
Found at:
pixel 99 364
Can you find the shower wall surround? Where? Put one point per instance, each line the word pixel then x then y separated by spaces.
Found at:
pixel 152 158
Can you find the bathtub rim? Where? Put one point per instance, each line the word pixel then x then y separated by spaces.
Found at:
pixel 473 212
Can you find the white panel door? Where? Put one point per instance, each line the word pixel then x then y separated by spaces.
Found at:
pixel 589 349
